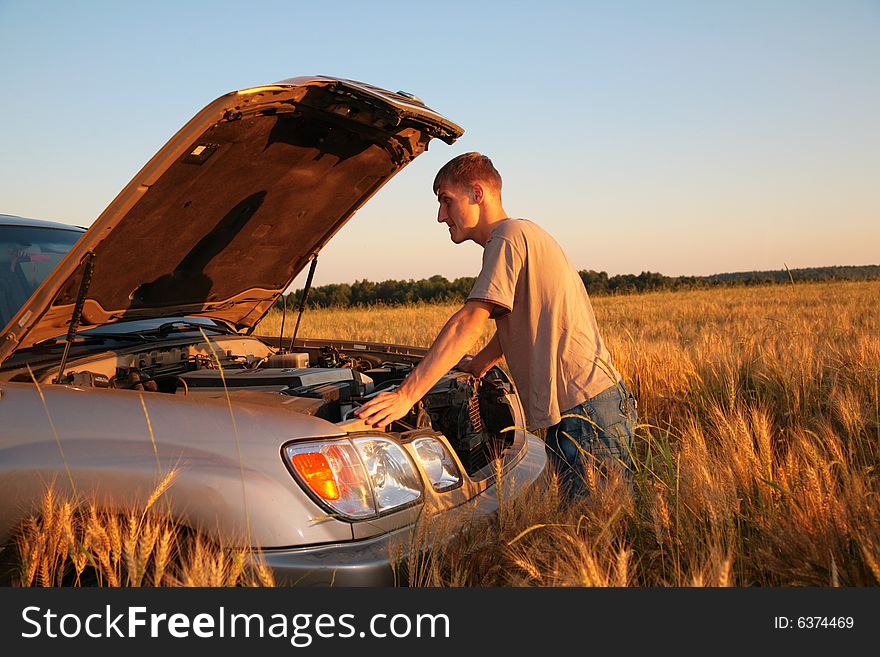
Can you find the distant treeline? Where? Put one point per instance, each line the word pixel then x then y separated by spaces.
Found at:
pixel 440 289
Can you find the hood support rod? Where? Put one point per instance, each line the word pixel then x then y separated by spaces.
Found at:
pixel 283 317
pixel 85 281
pixel 305 295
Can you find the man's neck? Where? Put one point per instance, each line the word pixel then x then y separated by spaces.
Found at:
pixel 488 221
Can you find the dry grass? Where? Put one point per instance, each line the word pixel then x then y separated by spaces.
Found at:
pixel 68 544
pixel 757 451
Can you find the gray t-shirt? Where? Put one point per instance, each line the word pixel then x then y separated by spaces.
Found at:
pixel 544 319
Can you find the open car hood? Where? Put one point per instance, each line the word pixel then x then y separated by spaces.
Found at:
pixel 221 220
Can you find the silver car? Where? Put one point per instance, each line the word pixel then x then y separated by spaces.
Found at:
pixel 128 348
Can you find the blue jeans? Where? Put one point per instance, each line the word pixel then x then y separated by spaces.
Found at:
pixel 597 433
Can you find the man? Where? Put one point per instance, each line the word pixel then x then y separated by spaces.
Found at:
pixel 545 329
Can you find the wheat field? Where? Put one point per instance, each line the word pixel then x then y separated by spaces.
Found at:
pixel 756 458
pixel 757 449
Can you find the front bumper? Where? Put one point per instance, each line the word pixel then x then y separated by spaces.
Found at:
pixel 370 562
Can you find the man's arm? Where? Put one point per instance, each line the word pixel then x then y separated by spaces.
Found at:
pixel 488 356
pixel 457 336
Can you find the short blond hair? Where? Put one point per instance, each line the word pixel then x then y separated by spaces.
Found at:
pixel 467 169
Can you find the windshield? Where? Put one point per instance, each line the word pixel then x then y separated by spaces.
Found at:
pixel 27 255
pixel 100 338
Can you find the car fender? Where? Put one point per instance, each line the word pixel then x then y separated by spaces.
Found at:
pixel 116 446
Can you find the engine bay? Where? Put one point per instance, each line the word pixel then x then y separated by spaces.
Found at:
pixel 325 379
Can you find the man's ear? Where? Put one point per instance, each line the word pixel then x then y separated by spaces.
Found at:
pixel 477 193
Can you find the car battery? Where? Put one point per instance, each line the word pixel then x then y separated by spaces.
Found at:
pixel 337 391
pixel 389 372
pixel 335 395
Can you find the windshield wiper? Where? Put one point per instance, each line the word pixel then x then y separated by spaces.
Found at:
pixel 82 338
pixel 122 337
pixel 167 327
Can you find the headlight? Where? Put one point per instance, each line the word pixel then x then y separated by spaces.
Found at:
pixel 438 463
pixel 362 478
pixel 392 474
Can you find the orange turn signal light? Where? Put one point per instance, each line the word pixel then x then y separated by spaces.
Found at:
pixel 314 468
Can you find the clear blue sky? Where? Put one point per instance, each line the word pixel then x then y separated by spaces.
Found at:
pixel 679 137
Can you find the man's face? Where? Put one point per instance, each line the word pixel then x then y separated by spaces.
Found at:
pixel 458 210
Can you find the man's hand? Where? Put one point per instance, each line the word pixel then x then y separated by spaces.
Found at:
pixel 478 365
pixel 385 408
pixel 467 364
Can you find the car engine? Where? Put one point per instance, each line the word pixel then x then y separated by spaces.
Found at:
pixel 325 380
